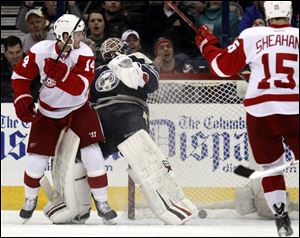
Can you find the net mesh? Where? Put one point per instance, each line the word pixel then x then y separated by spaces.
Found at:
pixel 201 127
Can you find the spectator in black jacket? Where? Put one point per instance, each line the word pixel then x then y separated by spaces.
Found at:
pixel 13 53
pixel 162 21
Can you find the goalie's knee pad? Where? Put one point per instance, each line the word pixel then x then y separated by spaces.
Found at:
pixel 159 186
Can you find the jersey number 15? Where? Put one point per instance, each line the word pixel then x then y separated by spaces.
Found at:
pixel 280 69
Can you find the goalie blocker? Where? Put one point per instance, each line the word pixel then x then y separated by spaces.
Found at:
pixel 151 169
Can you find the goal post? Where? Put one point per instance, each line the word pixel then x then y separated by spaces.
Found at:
pixel 199 123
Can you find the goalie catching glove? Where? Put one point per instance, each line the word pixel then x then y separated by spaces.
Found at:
pixel 129 72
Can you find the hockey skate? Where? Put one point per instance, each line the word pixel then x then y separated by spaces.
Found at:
pixel 28 209
pixel 282 220
pixel 105 212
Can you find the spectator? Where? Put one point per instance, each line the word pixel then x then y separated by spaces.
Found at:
pixel 115 17
pixel 167 62
pixel 237 9
pixel 194 8
pixel 212 17
pixel 49 10
pixel 254 11
pixel 12 55
pixel 135 12
pixel 163 21
pixel 132 38
pixel 259 22
pixel 36 25
pixel 96 33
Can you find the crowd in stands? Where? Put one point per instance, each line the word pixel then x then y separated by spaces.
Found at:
pixel 150 27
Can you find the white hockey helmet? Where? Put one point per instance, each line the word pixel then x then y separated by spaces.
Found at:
pixel 278 9
pixel 66 24
pixel 113 47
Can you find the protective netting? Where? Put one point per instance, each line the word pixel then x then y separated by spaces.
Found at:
pixel 200 126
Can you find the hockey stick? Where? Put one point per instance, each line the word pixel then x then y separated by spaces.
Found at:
pixel 64 47
pixel 181 14
pixel 254 174
pixel 191 24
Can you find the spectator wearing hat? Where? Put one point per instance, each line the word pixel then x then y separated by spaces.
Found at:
pixel 166 61
pixel 132 38
pixel 36 24
pixel 49 9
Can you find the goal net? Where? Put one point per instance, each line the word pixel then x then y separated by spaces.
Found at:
pixel 200 126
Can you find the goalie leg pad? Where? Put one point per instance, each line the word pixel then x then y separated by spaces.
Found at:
pixel 158 183
pixel 70 197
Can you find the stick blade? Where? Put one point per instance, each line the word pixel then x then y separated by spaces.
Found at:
pixel 243 171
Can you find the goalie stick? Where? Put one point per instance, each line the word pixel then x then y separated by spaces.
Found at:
pixel 254 174
pixel 191 24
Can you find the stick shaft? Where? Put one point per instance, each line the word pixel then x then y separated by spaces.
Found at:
pixel 181 14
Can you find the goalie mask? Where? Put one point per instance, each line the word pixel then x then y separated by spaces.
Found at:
pixel 278 9
pixel 66 24
pixel 113 47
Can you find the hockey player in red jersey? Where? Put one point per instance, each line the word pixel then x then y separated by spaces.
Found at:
pixel 63 103
pixel 272 97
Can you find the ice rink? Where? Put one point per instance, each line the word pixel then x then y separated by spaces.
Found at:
pixel 240 226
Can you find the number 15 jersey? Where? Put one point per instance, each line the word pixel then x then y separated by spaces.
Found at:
pixel 273 57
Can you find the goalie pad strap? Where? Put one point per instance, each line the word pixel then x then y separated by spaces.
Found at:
pixel 55 208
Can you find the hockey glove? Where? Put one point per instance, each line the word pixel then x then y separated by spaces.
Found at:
pixel 57 71
pixel 24 107
pixel 204 38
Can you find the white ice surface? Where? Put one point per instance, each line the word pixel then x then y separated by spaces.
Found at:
pixel 39 226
